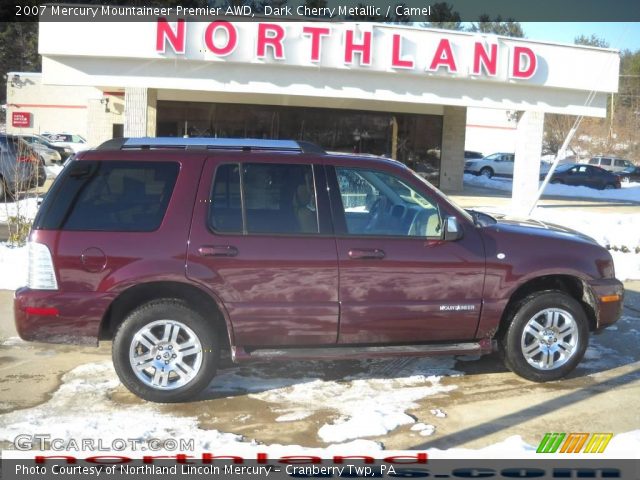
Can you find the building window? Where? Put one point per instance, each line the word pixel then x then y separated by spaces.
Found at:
pixel 413 139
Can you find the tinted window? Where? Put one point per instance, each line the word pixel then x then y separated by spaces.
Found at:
pixel 605 161
pixel 593 161
pixel 109 196
pixel 376 203
pixel 226 202
pixel 277 199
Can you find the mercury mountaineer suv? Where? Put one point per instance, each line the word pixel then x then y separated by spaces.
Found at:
pixel 176 249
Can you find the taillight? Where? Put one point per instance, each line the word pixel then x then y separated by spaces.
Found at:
pixel 26 159
pixel 42 275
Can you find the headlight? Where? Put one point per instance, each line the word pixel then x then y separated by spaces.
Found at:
pixel 68 150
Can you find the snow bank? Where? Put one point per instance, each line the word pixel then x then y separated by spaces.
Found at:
pixel 628 192
pixel 27 207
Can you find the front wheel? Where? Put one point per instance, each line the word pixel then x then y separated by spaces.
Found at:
pixel 165 352
pixel 486 172
pixel 547 337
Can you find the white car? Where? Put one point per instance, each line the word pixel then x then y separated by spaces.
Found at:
pixel 500 164
pixel 75 142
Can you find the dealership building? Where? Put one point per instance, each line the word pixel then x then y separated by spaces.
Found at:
pixel 391 90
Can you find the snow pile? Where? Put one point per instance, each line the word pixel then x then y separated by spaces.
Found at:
pixel 27 207
pixel 628 192
pixel 366 405
pixel 82 408
pixel 13 267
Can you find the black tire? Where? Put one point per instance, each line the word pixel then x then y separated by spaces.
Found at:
pixel 176 313
pixel 531 309
pixel 486 172
pixel 556 182
pixel 42 178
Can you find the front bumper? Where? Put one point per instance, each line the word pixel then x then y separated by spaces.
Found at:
pixel 608 297
pixel 56 317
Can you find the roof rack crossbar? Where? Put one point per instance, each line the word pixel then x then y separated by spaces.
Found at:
pixel 206 143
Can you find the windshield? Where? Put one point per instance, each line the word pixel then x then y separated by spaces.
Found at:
pixel 444 198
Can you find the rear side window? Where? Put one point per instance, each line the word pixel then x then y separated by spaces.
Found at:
pixel 605 161
pixel 593 161
pixel 109 196
pixel 274 198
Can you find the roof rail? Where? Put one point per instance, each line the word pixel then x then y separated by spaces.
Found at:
pixel 207 143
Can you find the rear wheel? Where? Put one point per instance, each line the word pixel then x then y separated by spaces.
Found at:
pixel 486 172
pixel 165 352
pixel 547 337
pixel 609 186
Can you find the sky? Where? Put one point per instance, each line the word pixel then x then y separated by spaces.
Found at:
pixel 620 35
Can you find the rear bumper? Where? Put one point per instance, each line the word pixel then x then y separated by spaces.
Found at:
pixel 55 317
pixel 609 299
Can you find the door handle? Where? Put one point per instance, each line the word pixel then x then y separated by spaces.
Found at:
pixel 218 251
pixel 366 253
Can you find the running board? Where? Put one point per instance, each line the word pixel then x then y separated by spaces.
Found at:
pixel 484 346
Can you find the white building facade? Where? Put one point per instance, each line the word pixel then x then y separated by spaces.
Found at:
pixel 363 87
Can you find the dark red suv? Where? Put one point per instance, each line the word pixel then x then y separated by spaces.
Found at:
pixel 178 248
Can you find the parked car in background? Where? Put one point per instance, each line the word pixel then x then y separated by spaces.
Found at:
pixel 612 164
pixel 471 155
pixel 77 143
pixel 20 167
pixel 579 174
pixel 276 250
pixel 48 156
pixel 496 164
pixel 39 141
pixel 629 174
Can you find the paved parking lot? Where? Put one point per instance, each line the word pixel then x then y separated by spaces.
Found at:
pixel 465 402
pixel 400 403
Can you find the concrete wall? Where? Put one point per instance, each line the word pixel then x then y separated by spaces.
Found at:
pixel 490 130
pixel 59 108
pixel 452 156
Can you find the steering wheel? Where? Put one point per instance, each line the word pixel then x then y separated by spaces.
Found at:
pixel 376 212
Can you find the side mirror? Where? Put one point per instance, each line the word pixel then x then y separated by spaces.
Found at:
pixel 452 229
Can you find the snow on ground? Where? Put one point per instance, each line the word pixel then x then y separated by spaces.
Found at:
pixel 53 170
pixel 629 191
pixel 364 406
pixel 27 207
pixel 13 267
pixel 82 408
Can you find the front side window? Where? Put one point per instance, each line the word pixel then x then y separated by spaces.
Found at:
pixel 377 203
pixel 261 198
pixel 109 196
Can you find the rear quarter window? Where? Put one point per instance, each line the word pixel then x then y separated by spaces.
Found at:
pixel 109 196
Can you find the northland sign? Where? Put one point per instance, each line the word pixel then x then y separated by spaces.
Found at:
pixel 329 65
pixel 347 45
